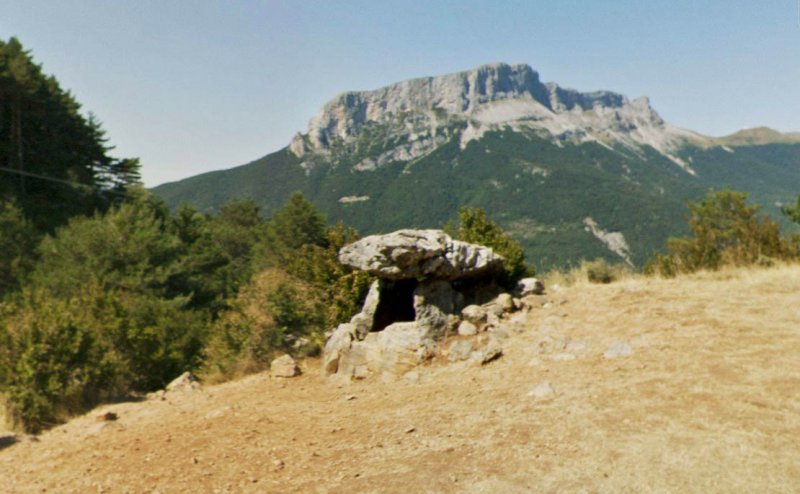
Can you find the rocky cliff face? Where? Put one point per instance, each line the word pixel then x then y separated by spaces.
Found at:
pixel 416 116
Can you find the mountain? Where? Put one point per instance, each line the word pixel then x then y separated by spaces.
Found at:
pixel 571 175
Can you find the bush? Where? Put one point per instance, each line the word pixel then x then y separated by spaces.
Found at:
pixel 475 227
pixel 725 230
pixel 599 271
pixel 51 364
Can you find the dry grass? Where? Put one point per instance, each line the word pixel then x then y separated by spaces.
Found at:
pixel 707 402
pixel 587 273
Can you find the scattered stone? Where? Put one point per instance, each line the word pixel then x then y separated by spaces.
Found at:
pixel 563 357
pixel 529 286
pixel 466 328
pixel 278 464
pixel 499 333
pixel 618 349
pixel 284 366
pixel 412 376
pixel 474 314
pixel 409 430
pixel 157 395
pixel 542 391
pixel 493 310
pixel 185 382
pixel 576 346
pixel 350 397
pixel 488 354
pixel 459 350
pixel 107 417
pixel 505 302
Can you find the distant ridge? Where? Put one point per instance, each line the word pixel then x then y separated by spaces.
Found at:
pixel 563 171
pixel 759 136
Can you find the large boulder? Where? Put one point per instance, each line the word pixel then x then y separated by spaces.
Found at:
pixel 406 254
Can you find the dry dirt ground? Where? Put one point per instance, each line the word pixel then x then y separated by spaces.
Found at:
pixel 708 401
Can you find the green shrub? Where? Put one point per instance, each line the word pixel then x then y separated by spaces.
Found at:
pixel 475 227
pixel 725 230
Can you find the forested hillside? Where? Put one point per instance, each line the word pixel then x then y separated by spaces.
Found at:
pixel 570 175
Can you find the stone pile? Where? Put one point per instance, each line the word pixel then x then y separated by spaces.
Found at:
pixel 429 286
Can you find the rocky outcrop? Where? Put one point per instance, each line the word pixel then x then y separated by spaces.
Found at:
pixel 428 112
pixel 409 254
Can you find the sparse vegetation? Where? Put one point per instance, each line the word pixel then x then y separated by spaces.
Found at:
pixel 475 227
pixel 725 230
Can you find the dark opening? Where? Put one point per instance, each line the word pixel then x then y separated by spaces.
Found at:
pixel 396 303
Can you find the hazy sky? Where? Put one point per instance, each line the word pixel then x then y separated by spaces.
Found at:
pixel 192 86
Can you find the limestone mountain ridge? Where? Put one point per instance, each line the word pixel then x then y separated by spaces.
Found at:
pixel 572 175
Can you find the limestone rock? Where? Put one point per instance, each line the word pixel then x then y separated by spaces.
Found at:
pixel 284 366
pixel 529 286
pixel 407 254
pixel 459 350
pixel 542 391
pixel 492 351
pixel 619 349
pixel 185 382
pixel 402 347
pixel 339 342
pixel 474 314
pixel 505 302
pixel 365 319
pixel 434 301
pixel 466 328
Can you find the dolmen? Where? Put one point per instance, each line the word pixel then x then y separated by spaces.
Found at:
pixel 425 280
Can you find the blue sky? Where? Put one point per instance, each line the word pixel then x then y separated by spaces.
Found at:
pixel 191 86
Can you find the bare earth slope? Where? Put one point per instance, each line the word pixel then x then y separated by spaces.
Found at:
pixel 708 401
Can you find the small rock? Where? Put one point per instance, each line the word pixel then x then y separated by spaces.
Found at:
pixel 459 350
pixel 284 366
pixel 619 349
pixel 412 376
pixel 107 417
pixel 466 328
pixel 278 464
pixel 185 382
pixel 506 302
pixel 350 397
pixel 474 313
pixel 562 357
pixel 576 346
pixel 542 391
pixel 409 430
pixel 499 333
pixel 529 286
pixel 488 354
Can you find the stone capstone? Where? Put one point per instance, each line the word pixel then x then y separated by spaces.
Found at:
pixel 407 254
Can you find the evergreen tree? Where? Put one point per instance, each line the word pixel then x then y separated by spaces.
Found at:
pixel 54 161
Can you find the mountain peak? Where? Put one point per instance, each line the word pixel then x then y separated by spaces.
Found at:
pixel 424 113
